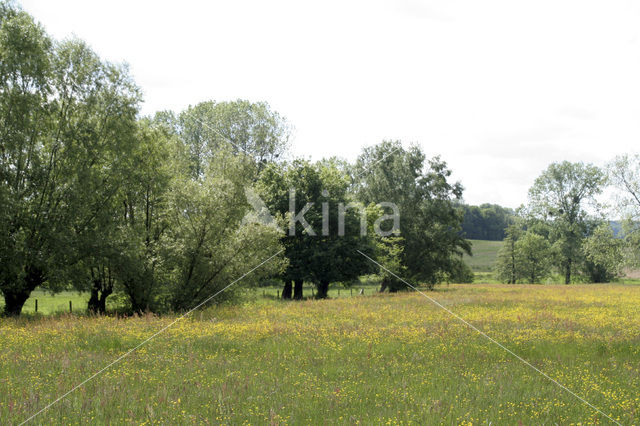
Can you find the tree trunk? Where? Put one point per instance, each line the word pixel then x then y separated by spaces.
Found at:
pixel 139 307
pixel 99 292
pixel 102 301
pixel 139 303
pixel 297 290
pixel 14 298
pixel 567 273
pixel 14 301
pixel 384 285
pixel 513 262
pixel 94 301
pixel 323 290
pixel 287 290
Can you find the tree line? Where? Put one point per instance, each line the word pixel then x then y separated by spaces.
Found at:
pixel 486 221
pixel 164 211
pixel 563 230
pixel 158 210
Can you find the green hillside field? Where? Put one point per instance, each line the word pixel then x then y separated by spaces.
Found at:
pixel 484 256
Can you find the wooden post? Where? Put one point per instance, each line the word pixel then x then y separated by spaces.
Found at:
pixel 352 292
pixel 36 305
pixel 70 307
pixel 338 292
pixel 278 294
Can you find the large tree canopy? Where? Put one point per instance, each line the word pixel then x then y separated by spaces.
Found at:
pixel 430 219
pixel 68 121
pixel 246 128
pixel 324 251
pixel 624 172
pixel 95 198
pixel 562 195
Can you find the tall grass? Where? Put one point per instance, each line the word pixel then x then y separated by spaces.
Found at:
pixel 373 359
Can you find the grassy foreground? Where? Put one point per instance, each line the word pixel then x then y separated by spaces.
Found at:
pixel 373 359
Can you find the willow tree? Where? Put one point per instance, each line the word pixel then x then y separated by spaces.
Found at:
pixel 250 129
pixel 67 119
pixel 208 245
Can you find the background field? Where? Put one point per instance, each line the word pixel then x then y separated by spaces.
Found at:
pixel 484 256
pixel 380 358
pixel 53 303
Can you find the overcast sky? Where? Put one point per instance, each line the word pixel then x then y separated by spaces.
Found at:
pixel 499 89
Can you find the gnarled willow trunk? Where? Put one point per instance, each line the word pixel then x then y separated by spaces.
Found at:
pixel 101 287
pixel 14 301
pixel 17 294
pixel 98 300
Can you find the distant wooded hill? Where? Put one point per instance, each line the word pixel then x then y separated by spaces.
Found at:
pixel 486 221
pixel 490 221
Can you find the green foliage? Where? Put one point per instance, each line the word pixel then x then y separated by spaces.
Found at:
pixel 507 269
pixel 143 217
pixel 323 252
pixel 486 222
pixel 67 124
pixel 559 197
pixel 429 216
pixel 207 245
pixel 460 272
pixel 388 251
pixel 624 173
pixel 93 198
pixel 603 252
pixel 556 229
pixel 533 257
pixel 245 128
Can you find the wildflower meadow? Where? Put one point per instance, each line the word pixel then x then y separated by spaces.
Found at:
pixel 394 359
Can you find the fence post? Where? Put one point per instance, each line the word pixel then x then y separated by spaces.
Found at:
pixel 278 294
pixel 36 305
pixel 70 307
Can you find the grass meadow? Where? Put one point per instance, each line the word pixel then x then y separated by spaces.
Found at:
pixel 484 256
pixel 392 359
pixel 49 303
